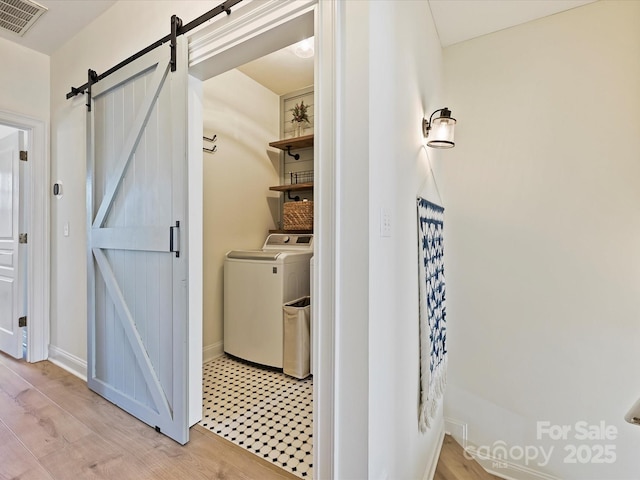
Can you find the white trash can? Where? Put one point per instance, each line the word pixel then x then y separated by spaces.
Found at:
pixel 296 356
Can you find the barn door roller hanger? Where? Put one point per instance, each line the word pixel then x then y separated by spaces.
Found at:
pixel 177 29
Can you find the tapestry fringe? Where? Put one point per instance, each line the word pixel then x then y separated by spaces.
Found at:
pixel 436 392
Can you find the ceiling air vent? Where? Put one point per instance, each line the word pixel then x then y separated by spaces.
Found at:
pixel 17 16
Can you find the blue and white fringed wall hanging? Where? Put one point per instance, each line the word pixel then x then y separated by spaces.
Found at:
pixel 433 330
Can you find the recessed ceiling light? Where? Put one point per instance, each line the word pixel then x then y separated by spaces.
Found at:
pixel 304 49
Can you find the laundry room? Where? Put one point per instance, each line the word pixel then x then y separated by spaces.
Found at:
pixel 258 171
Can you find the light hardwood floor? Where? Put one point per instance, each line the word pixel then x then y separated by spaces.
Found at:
pixel 452 464
pixel 53 427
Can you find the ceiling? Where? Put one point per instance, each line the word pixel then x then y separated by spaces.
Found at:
pixel 456 21
pixel 282 71
pixel 460 20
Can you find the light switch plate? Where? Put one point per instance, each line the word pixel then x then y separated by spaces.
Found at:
pixel 385 222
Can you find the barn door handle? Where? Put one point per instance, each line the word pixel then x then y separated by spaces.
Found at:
pixel 174 238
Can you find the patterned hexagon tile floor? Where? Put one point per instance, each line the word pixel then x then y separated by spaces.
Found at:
pixel 266 412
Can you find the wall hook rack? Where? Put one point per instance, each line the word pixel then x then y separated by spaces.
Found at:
pixel 212 139
pixel 296 156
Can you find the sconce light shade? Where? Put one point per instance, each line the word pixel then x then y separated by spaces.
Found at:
pixel 439 131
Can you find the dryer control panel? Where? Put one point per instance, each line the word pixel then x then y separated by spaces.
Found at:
pixel 285 241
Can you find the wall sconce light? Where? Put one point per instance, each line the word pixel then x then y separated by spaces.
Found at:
pixel 439 130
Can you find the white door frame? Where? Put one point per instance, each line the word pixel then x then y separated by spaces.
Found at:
pixel 38 232
pixel 210 54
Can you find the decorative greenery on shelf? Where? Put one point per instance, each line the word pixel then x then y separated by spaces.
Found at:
pixel 299 113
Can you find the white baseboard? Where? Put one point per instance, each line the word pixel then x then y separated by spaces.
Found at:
pixel 69 362
pixel 431 471
pixel 493 465
pixel 457 429
pixel 213 351
pixel 507 470
pixel 78 366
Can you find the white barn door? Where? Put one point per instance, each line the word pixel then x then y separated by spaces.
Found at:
pixel 11 266
pixel 137 258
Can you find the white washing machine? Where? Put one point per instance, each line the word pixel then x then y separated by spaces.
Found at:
pixel 256 285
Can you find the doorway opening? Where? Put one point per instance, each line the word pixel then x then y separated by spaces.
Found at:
pixel 263 29
pixel 35 201
pixel 258 405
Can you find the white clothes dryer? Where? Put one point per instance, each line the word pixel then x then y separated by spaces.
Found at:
pixel 257 283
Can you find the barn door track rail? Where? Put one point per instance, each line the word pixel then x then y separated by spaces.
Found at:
pixel 177 29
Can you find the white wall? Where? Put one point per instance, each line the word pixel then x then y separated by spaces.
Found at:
pixel 406 74
pixel 24 81
pixel 115 35
pixel 392 74
pixel 543 228
pixel 239 209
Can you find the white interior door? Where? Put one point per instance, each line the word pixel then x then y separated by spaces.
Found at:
pixel 137 258
pixel 11 301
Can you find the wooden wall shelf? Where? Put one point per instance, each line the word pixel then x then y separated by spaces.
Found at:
pixel 293 232
pixel 292 187
pixel 287 145
pixel 305 141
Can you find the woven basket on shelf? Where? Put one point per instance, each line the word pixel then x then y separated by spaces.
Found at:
pixel 298 216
